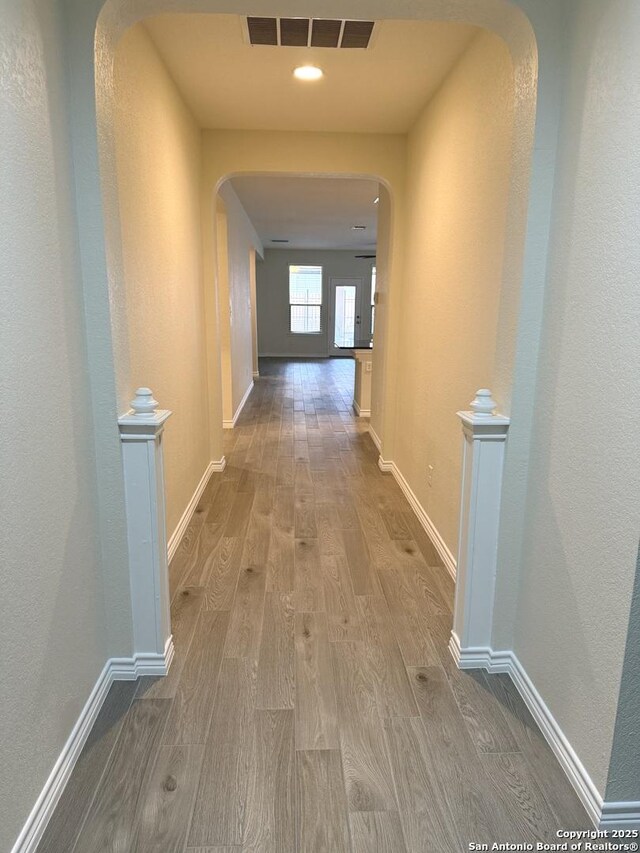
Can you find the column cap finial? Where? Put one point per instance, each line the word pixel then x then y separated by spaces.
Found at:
pixel 143 404
pixel 483 406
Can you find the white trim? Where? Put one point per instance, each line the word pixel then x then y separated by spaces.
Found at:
pixel 361 413
pixel 375 438
pixel 115 669
pixel 385 466
pixel 187 515
pixel 604 815
pixel 230 424
pixel 430 529
pixel 293 354
pixel 218 465
pixel 256 374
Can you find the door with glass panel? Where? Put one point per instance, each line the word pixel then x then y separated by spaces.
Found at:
pixel 349 315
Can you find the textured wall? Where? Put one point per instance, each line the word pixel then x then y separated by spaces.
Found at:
pixel 52 620
pixel 159 178
pixel 458 172
pixel 236 244
pixel 273 297
pixel 583 509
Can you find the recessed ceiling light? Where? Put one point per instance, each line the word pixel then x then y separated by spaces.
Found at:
pixel 358 227
pixel 308 72
pixel 376 200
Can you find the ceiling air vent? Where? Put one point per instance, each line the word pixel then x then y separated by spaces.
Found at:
pixel 309 32
pixel 263 30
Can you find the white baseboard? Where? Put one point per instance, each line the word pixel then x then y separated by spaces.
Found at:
pixel 430 529
pixel 375 438
pixel 187 515
pixel 605 815
pixel 256 374
pixel 230 424
pixel 361 413
pixel 314 355
pixel 218 465
pixel 115 669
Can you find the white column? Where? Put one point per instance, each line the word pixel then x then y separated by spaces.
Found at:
pixel 485 436
pixel 141 434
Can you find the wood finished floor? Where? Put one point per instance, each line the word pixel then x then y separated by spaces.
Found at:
pixel 312 704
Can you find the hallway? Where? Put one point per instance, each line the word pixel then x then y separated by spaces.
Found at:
pixel 312 704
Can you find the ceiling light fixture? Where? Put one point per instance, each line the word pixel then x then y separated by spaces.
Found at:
pixel 358 227
pixel 308 72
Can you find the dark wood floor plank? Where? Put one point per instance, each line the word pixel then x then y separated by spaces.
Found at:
pixel 481 710
pixel 473 808
pixel 364 755
pixel 524 810
pixel 360 566
pixel 220 804
pixel 245 625
pixel 409 617
pixel 321 812
pixel 280 565
pixel 376 831
pixel 239 515
pixel 270 815
pixel 308 580
pixel 316 714
pixel 546 769
pixel 164 808
pixel 393 691
pixel 305 515
pixel 342 608
pixel 65 825
pixel 223 576
pixel 185 610
pixel 190 714
pixel 422 796
pixel 110 826
pixel 276 678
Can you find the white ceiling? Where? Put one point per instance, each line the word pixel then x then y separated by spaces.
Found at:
pixel 312 213
pixel 230 84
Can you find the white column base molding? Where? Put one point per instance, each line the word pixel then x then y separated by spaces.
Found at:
pixel 605 815
pixel 115 669
pixel 141 433
pixel 256 374
pixel 430 529
pixel 361 413
pixel 375 438
pixel 485 437
pixel 229 424
pixel 187 515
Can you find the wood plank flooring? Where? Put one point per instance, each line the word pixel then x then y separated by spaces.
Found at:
pixel 312 705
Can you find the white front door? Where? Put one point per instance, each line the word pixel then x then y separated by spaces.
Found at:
pixel 348 320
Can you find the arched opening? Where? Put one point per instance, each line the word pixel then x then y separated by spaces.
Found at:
pixel 223 156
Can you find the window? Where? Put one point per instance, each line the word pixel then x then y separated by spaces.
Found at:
pixel 305 300
pixel 373 297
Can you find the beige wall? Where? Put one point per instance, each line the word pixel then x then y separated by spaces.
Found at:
pixel 159 179
pixel 458 171
pixel 52 614
pixel 236 244
pixel 583 508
